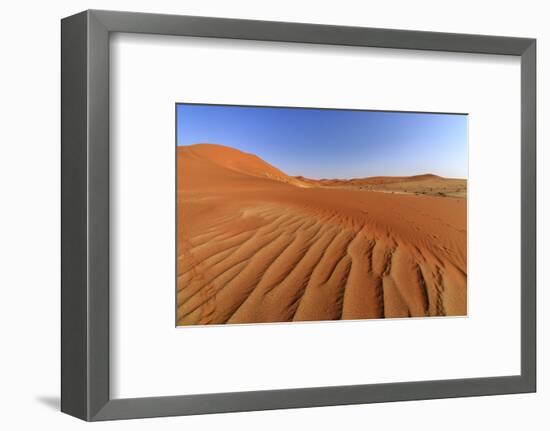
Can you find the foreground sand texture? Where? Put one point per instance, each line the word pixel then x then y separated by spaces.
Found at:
pixel 256 245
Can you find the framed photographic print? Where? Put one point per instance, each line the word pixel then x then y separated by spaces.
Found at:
pixel 262 215
pixel 257 244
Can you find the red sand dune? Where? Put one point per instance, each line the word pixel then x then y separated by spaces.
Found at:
pixel 257 245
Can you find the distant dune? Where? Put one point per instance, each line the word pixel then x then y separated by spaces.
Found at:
pixel 425 184
pixel 257 245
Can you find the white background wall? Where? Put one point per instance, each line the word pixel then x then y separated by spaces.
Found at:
pixel 30 202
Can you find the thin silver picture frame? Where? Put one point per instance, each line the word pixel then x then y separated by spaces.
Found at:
pixel 85 215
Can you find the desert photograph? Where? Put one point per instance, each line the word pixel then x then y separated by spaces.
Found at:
pixel 307 214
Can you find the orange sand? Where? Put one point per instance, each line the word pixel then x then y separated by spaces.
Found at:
pixel 256 245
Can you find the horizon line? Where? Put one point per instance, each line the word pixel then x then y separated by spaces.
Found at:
pixel 420 174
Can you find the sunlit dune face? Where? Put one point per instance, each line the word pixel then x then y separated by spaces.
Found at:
pixel 256 245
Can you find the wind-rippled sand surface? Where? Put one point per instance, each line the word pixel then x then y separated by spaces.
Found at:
pixel 256 245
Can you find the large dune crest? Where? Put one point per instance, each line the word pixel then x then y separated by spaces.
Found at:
pixel 236 160
pixel 256 245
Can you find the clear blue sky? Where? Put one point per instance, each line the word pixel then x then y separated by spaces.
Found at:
pixel 328 143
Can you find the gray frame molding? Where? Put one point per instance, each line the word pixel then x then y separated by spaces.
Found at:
pixel 85 215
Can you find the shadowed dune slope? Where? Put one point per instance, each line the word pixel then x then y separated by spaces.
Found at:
pixel 256 245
